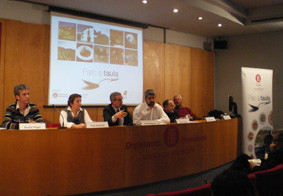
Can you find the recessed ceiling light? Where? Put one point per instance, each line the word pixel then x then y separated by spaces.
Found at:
pixel 175 10
pixel 200 18
pixel 219 25
pixel 144 1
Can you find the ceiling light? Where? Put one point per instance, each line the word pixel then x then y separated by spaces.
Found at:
pixel 144 1
pixel 219 25
pixel 175 10
pixel 200 18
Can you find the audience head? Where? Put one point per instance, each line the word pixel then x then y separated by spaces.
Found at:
pixel 278 139
pixel 149 96
pixel 177 100
pixel 74 101
pixel 21 92
pixel 116 99
pixel 233 183
pixel 168 106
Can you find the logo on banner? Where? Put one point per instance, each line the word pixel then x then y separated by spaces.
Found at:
pixel 171 136
pixel 258 78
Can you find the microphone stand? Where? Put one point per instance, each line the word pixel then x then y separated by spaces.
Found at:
pixel 61 127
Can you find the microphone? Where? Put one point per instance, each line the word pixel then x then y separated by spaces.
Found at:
pixel 61 127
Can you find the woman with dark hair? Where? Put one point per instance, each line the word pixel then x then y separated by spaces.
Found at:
pixel 74 116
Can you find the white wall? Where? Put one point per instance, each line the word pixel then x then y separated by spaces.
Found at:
pixel 259 51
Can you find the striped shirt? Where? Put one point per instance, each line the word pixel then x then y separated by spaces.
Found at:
pixel 13 116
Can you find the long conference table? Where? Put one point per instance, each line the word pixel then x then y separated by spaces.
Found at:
pixel 74 161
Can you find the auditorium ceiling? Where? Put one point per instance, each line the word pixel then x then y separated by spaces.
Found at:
pixel 237 17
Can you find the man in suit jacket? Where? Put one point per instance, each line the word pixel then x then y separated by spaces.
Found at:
pixel 116 113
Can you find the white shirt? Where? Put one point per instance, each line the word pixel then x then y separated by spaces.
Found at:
pixel 143 112
pixel 63 115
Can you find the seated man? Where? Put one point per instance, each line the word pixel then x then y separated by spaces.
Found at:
pixel 275 157
pixel 116 113
pixel 149 110
pixel 169 110
pixel 74 116
pixel 182 111
pixel 21 111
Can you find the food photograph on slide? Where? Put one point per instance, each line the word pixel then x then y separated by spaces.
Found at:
pixel 67 31
pixel 131 57
pixel 116 38
pixel 101 36
pixel 101 54
pixel 117 56
pixel 131 40
pixel 84 53
pixel 66 51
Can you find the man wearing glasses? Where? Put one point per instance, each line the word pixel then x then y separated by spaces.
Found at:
pixel 116 113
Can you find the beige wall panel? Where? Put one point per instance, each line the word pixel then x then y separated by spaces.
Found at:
pixel 178 73
pixel 202 82
pixel 153 67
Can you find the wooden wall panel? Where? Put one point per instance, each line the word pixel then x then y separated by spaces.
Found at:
pixel 178 73
pixel 2 57
pixel 168 69
pixel 202 100
pixel 153 67
pixel 26 59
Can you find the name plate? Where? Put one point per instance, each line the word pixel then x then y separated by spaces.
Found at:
pixel 182 120
pixel 31 126
pixel 226 117
pixel 97 124
pixel 210 119
pixel 148 122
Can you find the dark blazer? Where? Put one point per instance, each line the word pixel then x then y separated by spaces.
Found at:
pixel 109 111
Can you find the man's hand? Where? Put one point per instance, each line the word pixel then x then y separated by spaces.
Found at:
pixel 120 114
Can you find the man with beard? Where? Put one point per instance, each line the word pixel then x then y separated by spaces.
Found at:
pixel 149 110
pixel 22 111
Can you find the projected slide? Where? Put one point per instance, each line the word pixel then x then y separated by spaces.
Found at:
pixel 94 59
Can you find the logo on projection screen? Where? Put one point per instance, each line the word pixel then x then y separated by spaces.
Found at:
pixel 171 136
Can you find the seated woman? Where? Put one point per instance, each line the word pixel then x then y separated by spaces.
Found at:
pixel 74 116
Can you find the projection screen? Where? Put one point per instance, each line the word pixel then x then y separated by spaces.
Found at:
pixel 94 59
